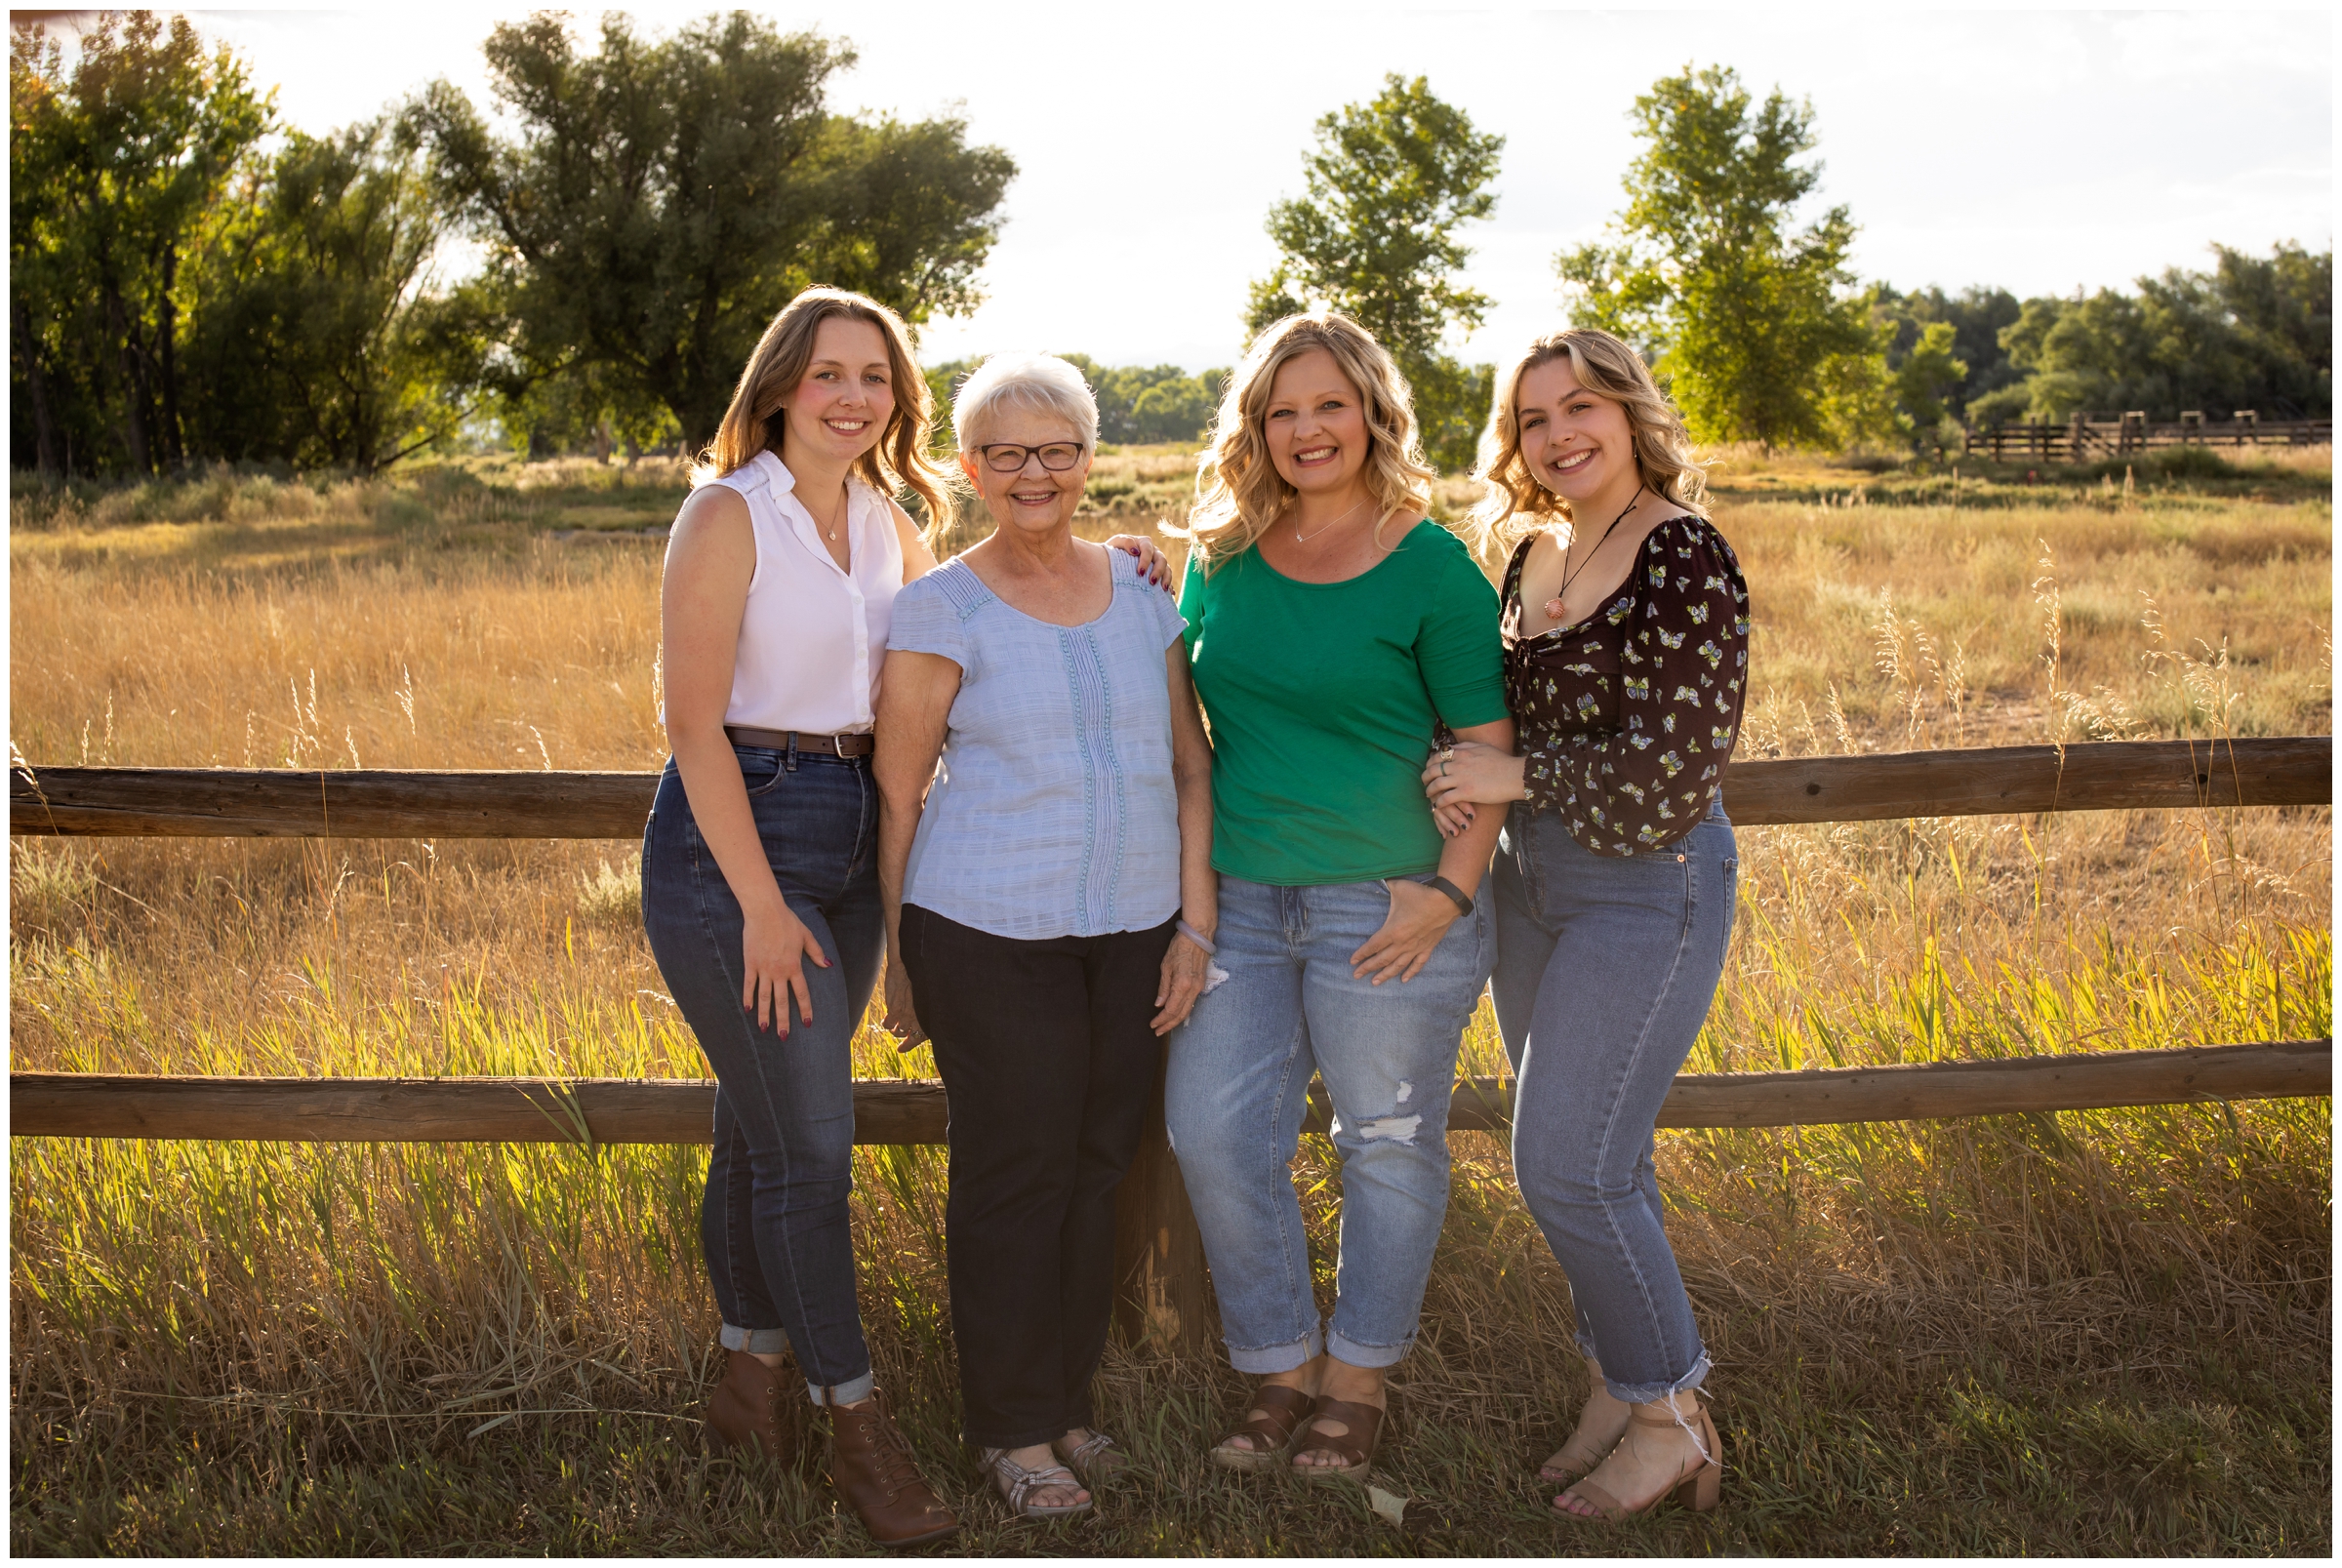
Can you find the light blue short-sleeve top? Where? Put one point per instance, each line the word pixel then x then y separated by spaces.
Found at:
pixel 1055 813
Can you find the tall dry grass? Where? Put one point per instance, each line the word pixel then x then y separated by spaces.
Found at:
pixel 2101 1331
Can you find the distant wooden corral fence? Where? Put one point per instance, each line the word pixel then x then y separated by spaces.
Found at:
pixel 2094 437
pixel 1159 1255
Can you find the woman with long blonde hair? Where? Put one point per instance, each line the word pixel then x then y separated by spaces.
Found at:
pixel 759 877
pixel 1336 633
pixel 1626 631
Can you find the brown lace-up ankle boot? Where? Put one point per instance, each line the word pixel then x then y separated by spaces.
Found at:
pixel 871 1464
pixel 745 1408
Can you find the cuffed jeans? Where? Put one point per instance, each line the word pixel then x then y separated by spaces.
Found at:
pixel 772 1225
pixel 1237 1088
pixel 1048 1062
pixel 1605 970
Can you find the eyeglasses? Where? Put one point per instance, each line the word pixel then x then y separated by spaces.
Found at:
pixel 1005 457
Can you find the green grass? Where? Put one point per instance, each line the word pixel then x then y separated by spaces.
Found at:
pixel 2104 1332
pixel 2092 1332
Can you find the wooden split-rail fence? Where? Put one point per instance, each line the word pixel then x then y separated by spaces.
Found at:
pixel 2095 437
pixel 1161 1294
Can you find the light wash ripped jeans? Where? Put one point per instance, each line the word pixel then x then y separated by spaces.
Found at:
pixel 1605 969
pixel 1239 1087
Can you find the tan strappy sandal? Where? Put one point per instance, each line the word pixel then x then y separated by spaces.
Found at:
pixel 1569 1464
pixel 1355 1448
pixel 1278 1412
pixel 1698 1488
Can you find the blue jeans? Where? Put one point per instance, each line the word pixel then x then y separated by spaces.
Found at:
pixel 1237 1088
pixel 1605 970
pixel 772 1225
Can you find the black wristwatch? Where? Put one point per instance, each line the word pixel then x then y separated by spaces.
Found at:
pixel 1463 899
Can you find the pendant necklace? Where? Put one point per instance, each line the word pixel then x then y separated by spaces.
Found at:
pixel 1553 606
pixel 1300 537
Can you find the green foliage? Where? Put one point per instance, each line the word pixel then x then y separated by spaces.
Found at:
pixel 1137 404
pixel 1976 316
pixel 663 199
pixel 1387 185
pixel 1930 372
pixel 112 172
pixel 2253 332
pixel 311 337
pixel 1754 324
pixel 1146 403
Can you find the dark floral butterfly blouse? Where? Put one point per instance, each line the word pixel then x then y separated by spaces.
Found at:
pixel 1628 717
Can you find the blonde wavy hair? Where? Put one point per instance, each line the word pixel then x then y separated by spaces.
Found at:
pixel 1239 492
pixel 1607 368
pixel 754 421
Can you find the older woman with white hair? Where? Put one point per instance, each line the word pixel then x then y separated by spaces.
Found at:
pixel 1050 905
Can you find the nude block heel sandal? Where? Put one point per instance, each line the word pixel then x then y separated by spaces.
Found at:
pixel 1699 1488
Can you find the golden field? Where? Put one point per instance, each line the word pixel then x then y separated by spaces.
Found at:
pixel 2087 1332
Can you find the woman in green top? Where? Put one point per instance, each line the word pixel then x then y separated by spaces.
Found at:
pixel 1334 632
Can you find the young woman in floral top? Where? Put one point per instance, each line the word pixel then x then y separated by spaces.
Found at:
pixel 1626 630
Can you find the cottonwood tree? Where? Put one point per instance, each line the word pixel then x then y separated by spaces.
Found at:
pixel 1387 185
pixel 113 168
pixel 1754 325
pixel 663 199
pixel 313 334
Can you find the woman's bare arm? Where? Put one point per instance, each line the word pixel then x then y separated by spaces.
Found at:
pixel 710 555
pixel 1185 963
pixel 915 712
pixel 918 559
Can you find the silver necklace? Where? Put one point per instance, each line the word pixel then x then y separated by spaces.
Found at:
pixel 1300 537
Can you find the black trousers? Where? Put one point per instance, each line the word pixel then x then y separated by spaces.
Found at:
pixel 1048 1063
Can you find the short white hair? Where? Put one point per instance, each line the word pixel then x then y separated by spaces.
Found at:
pixel 1040 383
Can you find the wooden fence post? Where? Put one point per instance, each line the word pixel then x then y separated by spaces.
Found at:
pixel 1158 1253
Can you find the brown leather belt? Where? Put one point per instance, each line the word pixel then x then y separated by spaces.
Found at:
pixel 834 745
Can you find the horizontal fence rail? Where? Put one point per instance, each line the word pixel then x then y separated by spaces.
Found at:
pixel 390 803
pixel 1160 1278
pixel 2081 439
pixel 912 1111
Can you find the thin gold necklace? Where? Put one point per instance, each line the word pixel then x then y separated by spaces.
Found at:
pixel 1300 537
pixel 844 502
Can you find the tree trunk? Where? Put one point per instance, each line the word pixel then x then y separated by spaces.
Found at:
pixel 134 382
pixel 174 439
pixel 44 435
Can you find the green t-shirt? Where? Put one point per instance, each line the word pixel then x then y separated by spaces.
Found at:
pixel 1322 698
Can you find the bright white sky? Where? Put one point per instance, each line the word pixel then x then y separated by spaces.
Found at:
pixel 2038 150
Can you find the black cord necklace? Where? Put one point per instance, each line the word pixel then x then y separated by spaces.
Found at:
pixel 1553 606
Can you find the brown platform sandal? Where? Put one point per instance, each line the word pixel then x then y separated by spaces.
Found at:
pixel 1354 1448
pixel 1276 1413
pixel 1699 1488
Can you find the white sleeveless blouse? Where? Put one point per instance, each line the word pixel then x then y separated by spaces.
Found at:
pixel 812 638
